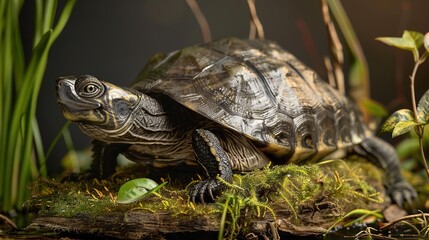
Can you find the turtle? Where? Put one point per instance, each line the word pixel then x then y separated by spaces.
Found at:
pixel 229 106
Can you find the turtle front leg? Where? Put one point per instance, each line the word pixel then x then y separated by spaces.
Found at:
pixel 104 158
pixel 215 162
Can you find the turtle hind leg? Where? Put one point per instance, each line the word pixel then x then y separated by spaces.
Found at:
pixel 215 162
pixel 384 156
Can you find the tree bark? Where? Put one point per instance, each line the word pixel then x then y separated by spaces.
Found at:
pixel 139 224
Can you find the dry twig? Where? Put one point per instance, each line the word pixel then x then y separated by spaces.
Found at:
pixel 202 21
pixel 424 215
pixel 334 68
pixel 255 24
pixel 8 222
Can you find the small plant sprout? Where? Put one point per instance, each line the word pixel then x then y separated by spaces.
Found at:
pixel 404 120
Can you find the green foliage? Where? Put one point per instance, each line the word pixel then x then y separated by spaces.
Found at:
pixel 231 207
pixel 403 127
pixel 410 41
pixel 20 140
pixel 400 122
pixel 137 189
pixel 423 108
pixel 403 121
pixel 402 115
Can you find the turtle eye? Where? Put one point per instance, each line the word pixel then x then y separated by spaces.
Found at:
pixel 89 89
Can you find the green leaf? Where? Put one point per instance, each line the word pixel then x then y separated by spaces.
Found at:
pixel 20 144
pixel 63 19
pixel 410 41
pixel 417 37
pixel 418 41
pixel 374 108
pixel 426 41
pixel 423 108
pixel 398 116
pixel 403 127
pixel 137 189
pixel 402 43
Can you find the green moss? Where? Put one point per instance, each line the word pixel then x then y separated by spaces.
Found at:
pixel 327 190
pixel 332 188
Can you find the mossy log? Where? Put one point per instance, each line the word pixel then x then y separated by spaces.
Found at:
pixel 294 200
pixel 137 224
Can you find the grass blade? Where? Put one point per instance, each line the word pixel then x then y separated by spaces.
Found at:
pixel 65 15
pixel 38 144
pixel 360 84
pixel 49 10
pixel 7 101
pixel 52 145
pixel 18 51
pixel 20 141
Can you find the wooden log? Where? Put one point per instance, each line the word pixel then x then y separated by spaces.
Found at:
pixel 265 204
pixel 130 225
pixel 138 224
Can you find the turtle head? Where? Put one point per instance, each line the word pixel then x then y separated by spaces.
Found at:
pixel 101 109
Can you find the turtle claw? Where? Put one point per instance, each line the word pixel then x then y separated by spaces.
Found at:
pixel 402 192
pixel 205 191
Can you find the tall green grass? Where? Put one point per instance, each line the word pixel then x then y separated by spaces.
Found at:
pixel 21 151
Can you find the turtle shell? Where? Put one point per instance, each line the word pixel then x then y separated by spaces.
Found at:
pixel 262 91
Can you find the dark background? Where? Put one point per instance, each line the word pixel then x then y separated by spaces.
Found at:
pixel 113 39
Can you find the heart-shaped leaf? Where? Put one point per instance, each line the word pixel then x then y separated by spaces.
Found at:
pixel 417 37
pixel 410 41
pixel 403 127
pixel 137 189
pixel 423 108
pixel 398 116
pixel 418 41
pixel 402 43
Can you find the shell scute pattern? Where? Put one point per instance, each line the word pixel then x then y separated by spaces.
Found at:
pixel 263 92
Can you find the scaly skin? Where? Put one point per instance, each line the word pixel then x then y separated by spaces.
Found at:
pixel 215 162
pixel 231 105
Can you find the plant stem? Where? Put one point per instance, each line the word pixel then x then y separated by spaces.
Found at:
pixel 419 129
pixel 422 152
pixel 413 94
